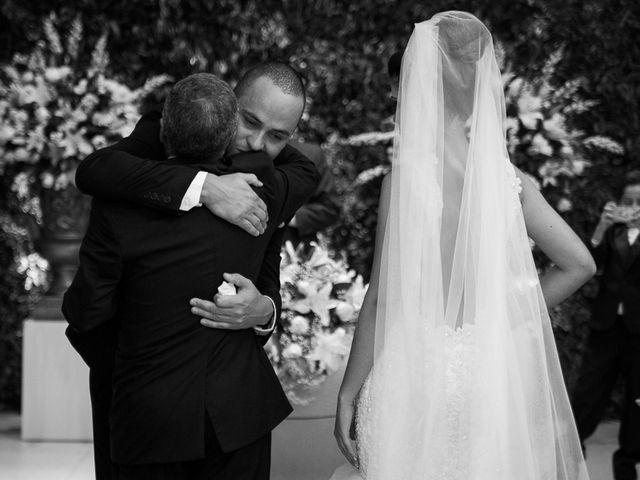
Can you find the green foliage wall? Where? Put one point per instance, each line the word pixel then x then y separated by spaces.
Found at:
pixel 341 47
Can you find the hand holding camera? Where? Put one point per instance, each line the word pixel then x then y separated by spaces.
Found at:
pixel 630 215
pixel 614 213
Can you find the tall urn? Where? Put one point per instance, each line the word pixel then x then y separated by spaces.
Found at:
pixel 65 215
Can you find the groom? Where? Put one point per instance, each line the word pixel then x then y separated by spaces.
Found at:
pixel 181 392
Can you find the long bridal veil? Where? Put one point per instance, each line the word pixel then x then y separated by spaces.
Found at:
pixel 466 381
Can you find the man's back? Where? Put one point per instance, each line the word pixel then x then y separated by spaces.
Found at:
pixel 170 370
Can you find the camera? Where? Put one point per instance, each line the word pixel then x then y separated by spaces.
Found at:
pixel 625 214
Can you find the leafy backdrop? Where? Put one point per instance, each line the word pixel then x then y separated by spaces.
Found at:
pixel 341 47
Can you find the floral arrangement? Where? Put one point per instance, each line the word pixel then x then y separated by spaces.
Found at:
pixel 56 108
pixel 539 136
pixel 24 277
pixel 321 299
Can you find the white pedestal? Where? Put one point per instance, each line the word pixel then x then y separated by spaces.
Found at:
pixel 303 446
pixel 55 385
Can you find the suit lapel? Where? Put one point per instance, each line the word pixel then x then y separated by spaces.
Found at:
pixel 622 245
pixel 628 253
pixel 634 252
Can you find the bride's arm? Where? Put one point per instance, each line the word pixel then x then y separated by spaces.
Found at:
pixel 573 264
pixel 361 356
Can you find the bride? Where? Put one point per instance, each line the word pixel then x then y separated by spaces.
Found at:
pixel 453 372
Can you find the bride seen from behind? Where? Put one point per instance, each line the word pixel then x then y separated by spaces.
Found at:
pixel 453 371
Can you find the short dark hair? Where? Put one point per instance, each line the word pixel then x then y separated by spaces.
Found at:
pixel 283 76
pixel 632 177
pixel 394 63
pixel 199 118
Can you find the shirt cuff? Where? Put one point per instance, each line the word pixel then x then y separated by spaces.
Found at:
pixel 268 330
pixel 192 197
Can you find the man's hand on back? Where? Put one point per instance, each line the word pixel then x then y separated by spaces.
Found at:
pixel 231 198
pixel 246 309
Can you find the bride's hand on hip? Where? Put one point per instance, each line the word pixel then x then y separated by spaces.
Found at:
pixel 343 430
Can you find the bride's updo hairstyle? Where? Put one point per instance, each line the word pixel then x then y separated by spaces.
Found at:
pixel 462 36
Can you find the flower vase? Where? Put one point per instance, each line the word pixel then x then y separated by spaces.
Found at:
pixel 65 215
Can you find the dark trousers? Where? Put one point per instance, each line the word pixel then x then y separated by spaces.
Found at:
pixel 101 393
pixel 251 462
pixel 610 354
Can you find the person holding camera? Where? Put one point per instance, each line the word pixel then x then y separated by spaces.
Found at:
pixel 613 345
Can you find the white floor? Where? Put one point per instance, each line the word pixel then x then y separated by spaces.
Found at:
pixel 73 461
pixel 41 460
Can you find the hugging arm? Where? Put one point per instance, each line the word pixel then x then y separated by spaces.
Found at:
pixel 132 170
pixel 248 308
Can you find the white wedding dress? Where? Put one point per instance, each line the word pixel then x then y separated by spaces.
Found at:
pixel 459 356
pixel 466 382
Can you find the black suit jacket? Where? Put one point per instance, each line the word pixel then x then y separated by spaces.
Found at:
pixel 619 280
pixel 323 207
pixel 135 170
pixel 138 269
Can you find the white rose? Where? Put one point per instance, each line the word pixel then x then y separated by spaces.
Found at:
pixel 61 182
pixel 344 277
pixel 293 350
pixel 6 133
pixel 99 141
pixel 567 150
pixel 21 185
pixel 89 101
pixel 27 77
pixel 81 87
pixel 20 116
pixel 78 116
pixel 42 114
pixel 540 145
pixel 299 325
pixel 121 94
pixel 345 311
pixel 47 180
pixel 579 166
pixel 21 154
pixel 53 74
pixel 564 205
pixel 102 119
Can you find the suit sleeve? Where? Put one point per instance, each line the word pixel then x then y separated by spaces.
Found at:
pixel 298 179
pixel 295 178
pixel 268 282
pixel 89 305
pixel 323 208
pixel 131 171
